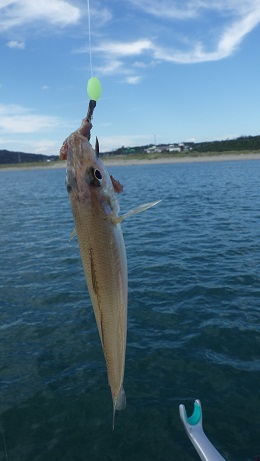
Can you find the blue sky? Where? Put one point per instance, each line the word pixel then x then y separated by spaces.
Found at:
pixel 174 70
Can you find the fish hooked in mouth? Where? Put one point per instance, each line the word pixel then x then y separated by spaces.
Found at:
pixel 95 209
pixel 93 196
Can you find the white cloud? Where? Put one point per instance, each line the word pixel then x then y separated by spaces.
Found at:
pixel 110 67
pixel 227 44
pixel 235 33
pixel 141 65
pixel 45 88
pixel 17 119
pixel 22 12
pixel 169 8
pixel 131 48
pixel 193 9
pixel 53 13
pixel 235 19
pixel 124 49
pixel 133 80
pixel 116 67
pixel 114 55
pixel 16 44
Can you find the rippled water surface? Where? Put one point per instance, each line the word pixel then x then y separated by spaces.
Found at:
pixel 194 318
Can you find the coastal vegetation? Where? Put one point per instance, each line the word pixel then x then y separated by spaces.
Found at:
pixel 241 145
pixel 9 157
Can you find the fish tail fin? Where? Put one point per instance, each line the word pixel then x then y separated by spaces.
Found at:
pixel 137 210
pixel 119 404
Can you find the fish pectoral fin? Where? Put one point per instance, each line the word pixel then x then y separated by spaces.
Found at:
pixel 73 234
pixel 118 188
pixel 137 210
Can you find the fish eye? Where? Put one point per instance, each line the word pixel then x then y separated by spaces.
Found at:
pixel 93 177
pixel 97 175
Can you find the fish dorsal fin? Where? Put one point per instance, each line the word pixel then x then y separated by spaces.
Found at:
pixel 137 210
pixel 97 147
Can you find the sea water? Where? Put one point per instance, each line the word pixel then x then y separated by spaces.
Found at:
pixel 193 328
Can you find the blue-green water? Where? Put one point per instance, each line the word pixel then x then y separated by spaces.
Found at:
pixel 194 318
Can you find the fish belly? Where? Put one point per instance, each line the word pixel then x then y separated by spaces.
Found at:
pixel 103 255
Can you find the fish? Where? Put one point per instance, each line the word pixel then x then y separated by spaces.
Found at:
pixel 95 207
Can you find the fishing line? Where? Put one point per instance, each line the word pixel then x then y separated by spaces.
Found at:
pixel 89 41
pixel 94 86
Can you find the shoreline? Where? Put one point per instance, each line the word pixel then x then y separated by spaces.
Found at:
pixel 157 161
pixel 165 160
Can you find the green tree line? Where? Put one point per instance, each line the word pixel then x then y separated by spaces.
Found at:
pixel 239 144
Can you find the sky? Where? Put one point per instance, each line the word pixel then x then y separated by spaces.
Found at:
pixel 171 71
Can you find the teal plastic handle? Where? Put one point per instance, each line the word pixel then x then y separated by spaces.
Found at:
pixel 196 415
pixel 194 430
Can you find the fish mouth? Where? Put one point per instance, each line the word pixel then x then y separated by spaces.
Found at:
pixel 84 131
pixel 85 128
pixel 86 122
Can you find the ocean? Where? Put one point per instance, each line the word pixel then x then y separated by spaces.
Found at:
pixel 193 319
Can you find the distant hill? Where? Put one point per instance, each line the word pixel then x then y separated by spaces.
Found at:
pixel 7 156
pixel 243 143
pixel 238 144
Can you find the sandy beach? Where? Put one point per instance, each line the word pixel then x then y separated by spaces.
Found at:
pixel 165 160
pixel 128 161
